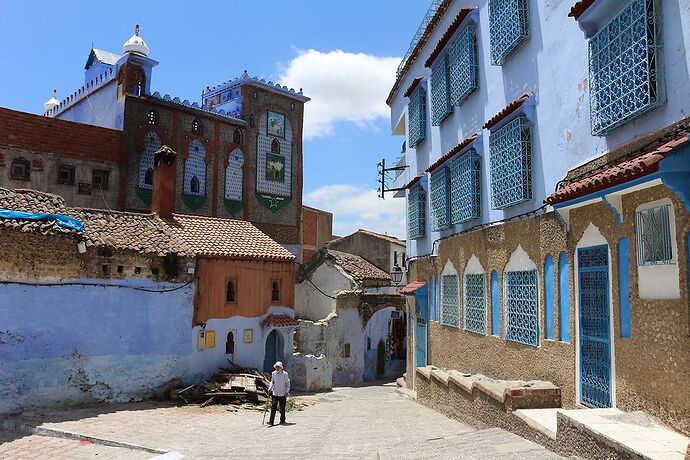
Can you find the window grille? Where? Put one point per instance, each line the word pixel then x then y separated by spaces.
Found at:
pixel 475 303
pixel 416 216
pixel 508 27
pixel 417 117
pixel 462 64
pixel 653 236
pixel 195 169
pixel 151 144
pixel 465 186
pixel 522 317
pixel 449 300
pixel 440 91
pixel 625 67
pixel 440 199
pixel 511 164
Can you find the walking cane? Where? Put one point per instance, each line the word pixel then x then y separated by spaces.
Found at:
pixel 263 422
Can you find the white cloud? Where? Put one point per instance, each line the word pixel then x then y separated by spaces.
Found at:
pixel 342 86
pixel 356 207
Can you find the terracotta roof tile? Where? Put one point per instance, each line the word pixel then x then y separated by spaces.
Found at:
pixel 412 287
pixel 230 238
pixel 462 14
pixel 507 110
pixel 579 8
pixel 382 236
pixel 357 267
pixel 273 320
pixel 452 152
pixel 411 183
pixel 410 89
pixel 620 173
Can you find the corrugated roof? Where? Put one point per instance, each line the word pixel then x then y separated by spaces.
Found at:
pixel 507 110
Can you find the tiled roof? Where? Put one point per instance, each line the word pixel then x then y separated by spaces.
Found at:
pixel 229 238
pixel 357 267
pixel 273 320
pixel 410 89
pixel 579 8
pixel 452 152
pixel 412 287
pixel 462 14
pixel 143 233
pixel 413 181
pixel 620 173
pixel 507 110
pixel 389 238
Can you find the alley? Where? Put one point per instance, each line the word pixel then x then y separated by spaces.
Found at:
pixel 362 422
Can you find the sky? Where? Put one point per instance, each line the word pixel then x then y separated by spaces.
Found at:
pixel 343 54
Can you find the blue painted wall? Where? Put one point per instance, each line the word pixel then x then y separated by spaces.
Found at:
pixel 564 296
pixel 548 294
pixel 624 285
pixel 75 344
pixel 495 314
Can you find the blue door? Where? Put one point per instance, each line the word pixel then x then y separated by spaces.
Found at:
pixel 271 351
pixel 595 328
pixel 420 337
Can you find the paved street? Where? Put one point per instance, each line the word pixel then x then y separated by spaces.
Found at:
pixel 363 422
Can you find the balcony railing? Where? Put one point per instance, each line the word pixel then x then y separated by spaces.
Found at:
pixel 435 4
pixel 399 164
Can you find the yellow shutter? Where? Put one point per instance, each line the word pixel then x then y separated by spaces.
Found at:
pixel 210 339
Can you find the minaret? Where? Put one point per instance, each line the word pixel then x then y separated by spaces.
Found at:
pixel 136 44
pixel 51 103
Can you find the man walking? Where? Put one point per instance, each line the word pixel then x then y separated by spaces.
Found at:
pixel 280 389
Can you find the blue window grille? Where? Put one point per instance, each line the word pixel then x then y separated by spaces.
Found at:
pixel 417 117
pixel 462 65
pixel 440 199
pixel 653 236
pixel 475 303
pixel 465 187
pixel 440 91
pixel 416 215
pixel 511 164
pixel 625 67
pixel 151 144
pixel 508 27
pixel 449 300
pixel 522 312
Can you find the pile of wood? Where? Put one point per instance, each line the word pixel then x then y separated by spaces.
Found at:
pixel 232 385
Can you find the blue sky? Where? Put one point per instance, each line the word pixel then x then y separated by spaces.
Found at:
pixel 342 53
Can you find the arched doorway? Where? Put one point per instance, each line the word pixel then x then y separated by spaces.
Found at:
pixel 274 350
pixel 381 359
pixel 230 345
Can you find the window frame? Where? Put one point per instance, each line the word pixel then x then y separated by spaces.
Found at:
pixel 666 236
pixel 27 169
pixel 510 329
pixel 500 49
pixel 228 281
pixel 450 283
pixel 274 298
pixel 103 173
pixel 416 201
pixel 466 187
pixel 71 169
pixel 440 199
pixel 416 109
pixel 499 164
pixel 466 307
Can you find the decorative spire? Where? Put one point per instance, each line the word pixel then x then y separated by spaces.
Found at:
pixel 53 102
pixel 136 44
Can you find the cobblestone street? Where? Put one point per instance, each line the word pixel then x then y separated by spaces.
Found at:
pixel 363 422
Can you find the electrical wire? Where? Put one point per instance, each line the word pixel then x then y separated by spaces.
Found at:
pixel 105 285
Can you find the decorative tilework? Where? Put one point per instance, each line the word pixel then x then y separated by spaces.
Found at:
pixel 440 91
pixel 475 303
pixel 233 176
pixel 522 312
pixel 465 186
pixel 463 67
pixel 267 182
pixel 440 199
pixel 151 144
pixel 508 27
pixel 653 236
pixel 625 67
pixel 416 215
pixel 450 315
pixel 195 169
pixel 511 164
pixel 417 117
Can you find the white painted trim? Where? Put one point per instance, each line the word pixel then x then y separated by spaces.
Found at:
pixel 473 266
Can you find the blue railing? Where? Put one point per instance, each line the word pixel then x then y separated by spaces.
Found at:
pixel 435 4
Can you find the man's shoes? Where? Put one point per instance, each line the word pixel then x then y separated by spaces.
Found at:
pixel 270 424
pixel 282 422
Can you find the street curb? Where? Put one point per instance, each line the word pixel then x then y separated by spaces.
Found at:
pixel 18 426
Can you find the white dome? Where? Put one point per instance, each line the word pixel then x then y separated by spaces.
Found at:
pixel 52 102
pixel 136 44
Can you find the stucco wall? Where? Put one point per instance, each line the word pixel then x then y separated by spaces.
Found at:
pixel 310 302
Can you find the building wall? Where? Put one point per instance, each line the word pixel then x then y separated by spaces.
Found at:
pixel 101 108
pixel 317 230
pixel 310 303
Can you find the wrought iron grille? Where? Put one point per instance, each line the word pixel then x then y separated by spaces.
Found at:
pixel 522 312
pixel 508 27
pixel 440 91
pixel 433 8
pixel 416 217
pixel 653 236
pixel 625 67
pixel 440 199
pixel 475 303
pixel 449 300
pixel 465 187
pixel 511 164
pixel 462 65
pixel 417 114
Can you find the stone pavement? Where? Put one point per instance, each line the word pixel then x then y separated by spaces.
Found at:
pixel 361 422
pixel 20 446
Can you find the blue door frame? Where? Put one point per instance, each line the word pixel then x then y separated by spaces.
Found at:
pixel 422 317
pixel 594 326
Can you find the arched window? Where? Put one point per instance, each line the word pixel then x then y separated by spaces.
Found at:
pixel 195 169
pixel 275 146
pixel 148 177
pixel 237 136
pixel 233 176
pixel 275 291
pixel 197 127
pixel 230 292
pixel 194 185
pixel 151 117
pixel 230 344
pixel 151 144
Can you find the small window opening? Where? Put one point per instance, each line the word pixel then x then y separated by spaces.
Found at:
pixel 275 291
pixel 230 344
pixel 148 176
pixel 194 185
pixel 120 268
pixel 275 146
pixel 154 271
pixel 104 268
pixel 197 127
pixel 100 178
pixel 137 270
pixel 230 292
pixel 20 169
pixel 237 136
pixel 66 175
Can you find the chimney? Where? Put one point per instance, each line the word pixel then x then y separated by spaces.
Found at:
pixel 163 197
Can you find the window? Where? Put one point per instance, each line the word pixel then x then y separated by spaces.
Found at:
pixel 151 117
pixel 652 228
pixel 440 91
pixel 206 339
pixel 230 344
pixel 511 164
pixel 275 146
pixel 625 67
pixel 230 292
pixel 100 178
pixel 148 177
pixel 440 199
pixel 20 169
pixel 194 185
pixel 151 145
pixel 416 215
pixel 346 349
pixel 522 317
pixel 417 117
pixel 197 127
pixel 449 300
pixel 66 175
pixel 237 136
pixel 275 291
pixel 248 336
pixel 462 65
pixel 465 186
pixel 195 169
pixel 475 303
pixel 508 27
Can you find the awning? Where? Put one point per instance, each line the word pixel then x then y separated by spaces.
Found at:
pixel 412 287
